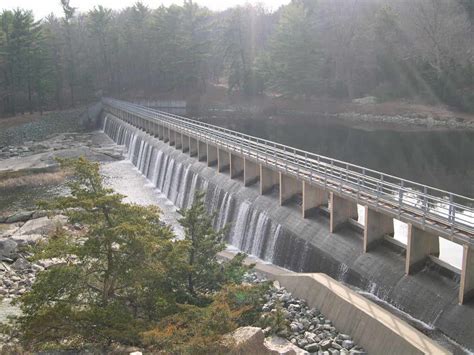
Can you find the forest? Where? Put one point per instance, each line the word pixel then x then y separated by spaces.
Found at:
pixel 418 50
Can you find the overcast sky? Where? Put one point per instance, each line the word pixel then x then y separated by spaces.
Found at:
pixel 42 8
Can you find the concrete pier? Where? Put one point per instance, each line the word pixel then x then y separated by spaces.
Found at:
pixel 185 143
pixel 341 210
pixel 202 151
pixel 223 160
pixel 236 166
pixel 178 140
pixel 172 137
pixel 420 245
pixel 376 226
pixel 166 134
pixel 313 197
pixel 193 147
pixel 161 132
pixel 154 129
pixel 268 179
pixel 289 188
pixel 466 287
pixel 251 172
pixel 211 155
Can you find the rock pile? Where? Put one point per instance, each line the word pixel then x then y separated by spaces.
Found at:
pixel 17 278
pixel 307 327
pixel 17 274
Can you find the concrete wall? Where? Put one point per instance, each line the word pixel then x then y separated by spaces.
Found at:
pixel 377 330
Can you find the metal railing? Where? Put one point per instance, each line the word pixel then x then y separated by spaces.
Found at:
pixel 451 214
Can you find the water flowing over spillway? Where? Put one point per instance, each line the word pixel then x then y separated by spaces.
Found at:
pixel 259 226
pixel 251 230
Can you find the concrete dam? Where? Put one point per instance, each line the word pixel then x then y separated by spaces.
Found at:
pixel 303 227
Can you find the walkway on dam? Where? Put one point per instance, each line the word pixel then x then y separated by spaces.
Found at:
pixel 323 181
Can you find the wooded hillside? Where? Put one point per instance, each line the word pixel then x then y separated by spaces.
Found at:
pixel 421 50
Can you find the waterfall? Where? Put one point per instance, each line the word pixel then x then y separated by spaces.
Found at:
pixel 252 231
pixel 271 243
pixel 181 198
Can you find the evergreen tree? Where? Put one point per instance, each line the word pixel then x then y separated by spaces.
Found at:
pixel 295 58
pixel 203 272
pixel 114 278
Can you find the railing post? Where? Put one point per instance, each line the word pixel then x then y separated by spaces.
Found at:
pixel 400 198
pixel 451 212
pixel 425 205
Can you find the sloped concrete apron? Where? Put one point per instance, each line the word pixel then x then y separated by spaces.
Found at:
pixel 377 330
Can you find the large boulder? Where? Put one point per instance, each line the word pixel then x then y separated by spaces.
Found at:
pixel 21 216
pixel 7 230
pixel 43 225
pixel 252 341
pixel 27 239
pixel 245 340
pixel 8 250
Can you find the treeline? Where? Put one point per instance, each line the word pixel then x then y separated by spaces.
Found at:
pixel 421 50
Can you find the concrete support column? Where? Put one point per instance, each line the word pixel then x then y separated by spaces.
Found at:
pixel 289 187
pixel 172 137
pixel 185 143
pixel 236 166
pixel 166 134
pixel 420 245
pixel 193 147
pixel 466 287
pixel 179 140
pixel 223 160
pixel 202 151
pixel 161 132
pixel 155 129
pixel 211 155
pixel 251 172
pixel 313 197
pixel 268 179
pixel 341 210
pixel 376 226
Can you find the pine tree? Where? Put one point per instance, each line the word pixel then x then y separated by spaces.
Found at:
pixel 114 278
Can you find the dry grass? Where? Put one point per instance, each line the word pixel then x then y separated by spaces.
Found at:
pixel 38 179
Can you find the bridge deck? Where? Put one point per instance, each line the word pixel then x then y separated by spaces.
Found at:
pixel 450 215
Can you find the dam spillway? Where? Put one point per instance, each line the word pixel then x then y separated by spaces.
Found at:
pixel 277 234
